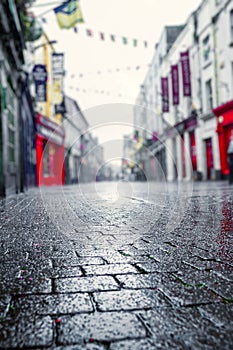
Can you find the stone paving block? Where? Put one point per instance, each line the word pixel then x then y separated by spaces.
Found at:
pixel 16 256
pixel 187 295
pixel 140 281
pixel 157 343
pixel 212 338
pixel 26 285
pixel 93 252
pixel 53 304
pixel 153 266
pixel 23 333
pixel 8 270
pixel 219 314
pixel 66 271
pixel 99 327
pixel 40 249
pixel 111 269
pixel 128 300
pixel 85 284
pixel 219 285
pixel 221 269
pixel 82 346
pixel 78 261
pixel 35 269
pixel 63 253
pixel 117 258
pixel 119 232
pixel 174 321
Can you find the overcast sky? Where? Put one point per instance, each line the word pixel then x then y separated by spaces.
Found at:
pixel 98 61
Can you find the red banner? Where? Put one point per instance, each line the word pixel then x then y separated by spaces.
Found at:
pixel 175 85
pixel 165 94
pixel 185 66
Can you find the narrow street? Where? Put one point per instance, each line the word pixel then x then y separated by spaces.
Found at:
pixel 117 266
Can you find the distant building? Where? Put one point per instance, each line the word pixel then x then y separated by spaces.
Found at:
pixel 75 125
pixel 83 155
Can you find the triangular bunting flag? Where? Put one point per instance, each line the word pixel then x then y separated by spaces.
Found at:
pixel 89 32
pixel 124 39
pixel 102 36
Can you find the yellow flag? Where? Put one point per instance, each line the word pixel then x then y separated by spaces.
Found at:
pixel 69 14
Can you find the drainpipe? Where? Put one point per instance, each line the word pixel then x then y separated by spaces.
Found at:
pixel 216 76
pixel 196 41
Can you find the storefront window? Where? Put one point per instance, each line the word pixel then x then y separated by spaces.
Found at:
pixel 231 24
pixel 193 150
pixel 209 95
pixel 206 48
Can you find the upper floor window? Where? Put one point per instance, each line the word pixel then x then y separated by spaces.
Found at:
pixel 231 24
pixel 206 48
pixel 209 95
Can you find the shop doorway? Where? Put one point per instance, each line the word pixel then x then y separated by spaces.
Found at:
pixel 193 152
pixel 209 158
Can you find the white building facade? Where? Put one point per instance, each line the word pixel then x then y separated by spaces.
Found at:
pixel 188 91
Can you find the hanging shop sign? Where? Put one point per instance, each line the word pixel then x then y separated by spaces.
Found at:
pixel 57 77
pixel 60 108
pixel 50 130
pixel 40 74
pixel 191 123
pixel 57 65
pixel 188 124
pixel 40 77
pixel 41 92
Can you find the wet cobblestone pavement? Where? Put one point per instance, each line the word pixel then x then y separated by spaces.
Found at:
pixel 136 267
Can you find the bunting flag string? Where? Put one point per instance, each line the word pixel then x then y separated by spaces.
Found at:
pixel 69 14
pixel 102 36
pixel 123 39
pixel 110 70
pixel 101 92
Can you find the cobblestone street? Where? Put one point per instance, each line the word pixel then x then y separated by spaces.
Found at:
pixel 117 266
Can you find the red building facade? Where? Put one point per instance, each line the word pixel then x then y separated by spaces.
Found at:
pixel 50 152
pixel 224 114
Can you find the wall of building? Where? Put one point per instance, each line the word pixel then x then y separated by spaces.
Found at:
pixel 188 131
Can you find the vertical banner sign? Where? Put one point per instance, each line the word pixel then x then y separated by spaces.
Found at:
pixel 185 66
pixel 57 78
pixel 175 85
pixel 40 76
pixel 165 94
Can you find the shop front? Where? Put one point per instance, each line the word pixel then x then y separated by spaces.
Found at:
pixel 183 133
pixel 50 152
pixel 224 114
